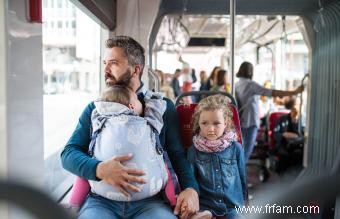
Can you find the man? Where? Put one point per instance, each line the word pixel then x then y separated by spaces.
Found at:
pixel 124 63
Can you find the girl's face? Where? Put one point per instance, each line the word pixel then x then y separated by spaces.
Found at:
pixel 212 124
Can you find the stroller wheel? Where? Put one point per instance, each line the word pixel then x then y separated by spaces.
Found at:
pixel 263 175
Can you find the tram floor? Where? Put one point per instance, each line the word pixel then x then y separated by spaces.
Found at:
pixel 255 186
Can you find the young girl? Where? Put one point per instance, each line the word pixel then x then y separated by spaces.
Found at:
pixel 217 158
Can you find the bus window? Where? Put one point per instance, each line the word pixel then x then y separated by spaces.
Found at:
pixel 71 55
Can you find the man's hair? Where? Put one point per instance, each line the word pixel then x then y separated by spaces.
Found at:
pixel 245 71
pixel 212 103
pixel 118 94
pixel 132 50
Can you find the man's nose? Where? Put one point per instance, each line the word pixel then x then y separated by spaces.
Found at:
pixel 106 68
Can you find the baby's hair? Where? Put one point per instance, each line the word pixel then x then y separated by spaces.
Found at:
pixel 211 103
pixel 117 93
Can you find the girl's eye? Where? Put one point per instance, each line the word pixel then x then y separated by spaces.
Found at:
pixel 217 123
pixel 204 123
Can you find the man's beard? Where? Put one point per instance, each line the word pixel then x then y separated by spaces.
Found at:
pixel 123 80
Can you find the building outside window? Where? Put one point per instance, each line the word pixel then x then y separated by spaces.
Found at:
pixel 71 54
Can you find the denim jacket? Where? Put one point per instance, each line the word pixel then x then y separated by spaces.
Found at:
pixel 221 177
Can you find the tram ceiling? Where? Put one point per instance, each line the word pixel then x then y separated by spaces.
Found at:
pixel 104 11
pixel 197 32
pixel 243 7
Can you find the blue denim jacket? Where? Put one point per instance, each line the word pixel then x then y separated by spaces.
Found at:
pixel 221 177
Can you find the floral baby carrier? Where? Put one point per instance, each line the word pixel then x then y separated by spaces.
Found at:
pixel 139 133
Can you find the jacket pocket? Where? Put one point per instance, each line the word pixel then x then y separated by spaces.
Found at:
pixel 229 166
pixel 204 169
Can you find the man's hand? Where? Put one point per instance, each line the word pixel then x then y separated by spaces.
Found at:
pixel 187 203
pixel 114 173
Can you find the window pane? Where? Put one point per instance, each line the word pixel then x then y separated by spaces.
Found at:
pixel 71 80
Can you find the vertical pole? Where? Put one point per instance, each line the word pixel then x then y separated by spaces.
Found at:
pixel 232 45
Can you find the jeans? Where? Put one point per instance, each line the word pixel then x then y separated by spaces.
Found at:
pixel 248 139
pixel 99 207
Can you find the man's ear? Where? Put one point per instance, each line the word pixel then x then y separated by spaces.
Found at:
pixel 137 71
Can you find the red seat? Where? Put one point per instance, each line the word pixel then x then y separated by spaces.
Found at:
pixel 185 113
pixel 272 121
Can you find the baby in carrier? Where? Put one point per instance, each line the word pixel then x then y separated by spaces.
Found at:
pixel 124 131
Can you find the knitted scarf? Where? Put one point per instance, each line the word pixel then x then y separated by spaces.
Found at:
pixel 210 146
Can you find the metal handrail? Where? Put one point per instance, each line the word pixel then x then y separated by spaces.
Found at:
pixel 32 200
pixel 301 101
pixel 155 79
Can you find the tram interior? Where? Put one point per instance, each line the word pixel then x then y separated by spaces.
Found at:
pixel 284 39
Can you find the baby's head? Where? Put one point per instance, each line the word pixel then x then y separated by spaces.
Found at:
pixel 123 95
pixel 212 117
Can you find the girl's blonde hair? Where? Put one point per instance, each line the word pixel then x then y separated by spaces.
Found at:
pixel 211 103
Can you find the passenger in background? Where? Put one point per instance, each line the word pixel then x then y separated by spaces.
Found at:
pixel 212 78
pixel 288 141
pixel 165 88
pixel 217 158
pixel 187 81
pixel 203 81
pixel 221 83
pixel 265 103
pixel 175 83
pixel 187 76
pixel 247 96
pixel 193 75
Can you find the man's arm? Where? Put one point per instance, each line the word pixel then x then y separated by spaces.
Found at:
pixel 74 157
pixel 187 201
pixel 175 149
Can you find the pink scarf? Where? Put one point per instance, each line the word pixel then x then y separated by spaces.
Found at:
pixel 211 146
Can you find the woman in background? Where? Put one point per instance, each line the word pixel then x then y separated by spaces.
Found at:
pixel 247 96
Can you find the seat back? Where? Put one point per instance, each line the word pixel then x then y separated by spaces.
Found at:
pixel 272 121
pixel 185 113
